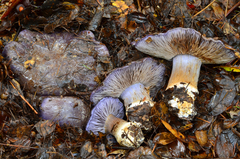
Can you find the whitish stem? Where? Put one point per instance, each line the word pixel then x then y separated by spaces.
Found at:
pixel 126 133
pixel 135 95
pixel 185 74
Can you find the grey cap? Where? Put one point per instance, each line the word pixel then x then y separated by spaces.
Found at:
pixel 185 41
pixel 145 71
pixel 47 64
pixel 100 113
pixel 66 110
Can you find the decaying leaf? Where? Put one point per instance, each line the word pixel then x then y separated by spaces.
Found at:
pixel 193 146
pixel 225 148
pixel 159 110
pixel 102 151
pixel 145 152
pixel 218 11
pixel 118 152
pixel 86 150
pixel 230 68
pixel 45 127
pixel 230 123
pixel 164 138
pixel 176 133
pixel 121 5
pixel 177 149
pixel 223 98
pixel 202 137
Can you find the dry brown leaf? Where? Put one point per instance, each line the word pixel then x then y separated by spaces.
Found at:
pixel 202 137
pixel 164 138
pixel 177 134
pixel 218 11
pixel 45 127
pixel 193 146
pixel 121 5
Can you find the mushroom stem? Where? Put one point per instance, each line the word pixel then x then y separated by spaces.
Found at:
pixel 138 105
pixel 136 94
pixel 126 133
pixel 185 73
pixel 185 69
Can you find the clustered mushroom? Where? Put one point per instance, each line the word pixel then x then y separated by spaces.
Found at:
pixel 106 117
pixel 188 49
pixel 133 84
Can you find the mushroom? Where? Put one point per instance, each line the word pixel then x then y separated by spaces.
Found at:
pixel 106 117
pixel 188 49
pixel 58 63
pixel 133 84
pixel 66 110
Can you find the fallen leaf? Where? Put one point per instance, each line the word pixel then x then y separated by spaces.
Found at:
pixel 229 68
pixel 121 5
pixel 45 127
pixel 202 137
pixel 164 138
pixel 177 134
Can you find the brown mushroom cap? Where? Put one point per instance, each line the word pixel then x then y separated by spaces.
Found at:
pixel 146 72
pixel 185 41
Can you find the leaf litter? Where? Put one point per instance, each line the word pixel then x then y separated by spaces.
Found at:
pixel 117 24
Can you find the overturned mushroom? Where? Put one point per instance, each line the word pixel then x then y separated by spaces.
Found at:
pixel 52 64
pixel 188 49
pixel 106 117
pixel 66 110
pixel 133 84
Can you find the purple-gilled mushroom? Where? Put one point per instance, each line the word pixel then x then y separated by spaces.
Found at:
pixel 66 110
pixel 188 49
pixel 106 117
pixel 133 84
pixel 49 64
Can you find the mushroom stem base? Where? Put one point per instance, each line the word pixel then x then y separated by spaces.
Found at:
pixel 126 133
pixel 182 86
pixel 140 113
pixel 181 103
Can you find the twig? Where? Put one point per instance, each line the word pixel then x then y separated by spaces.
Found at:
pixel 24 98
pixel 230 10
pixel 18 146
pixel 223 116
pixel 99 3
pixel 203 120
pixel 154 148
pixel 226 10
pixel 234 7
pixel 203 9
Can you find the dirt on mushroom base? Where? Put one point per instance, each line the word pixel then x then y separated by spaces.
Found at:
pixel 222 123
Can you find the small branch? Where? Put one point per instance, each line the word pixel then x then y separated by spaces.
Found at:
pixel 24 98
pixel 234 7
pixel 230 10
pixel 18 146
pixel 203 9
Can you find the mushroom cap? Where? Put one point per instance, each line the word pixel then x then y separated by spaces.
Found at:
pixel 146 72
pixel 46 64
pixel 101 111
pixel 185 41
pixel 66 110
